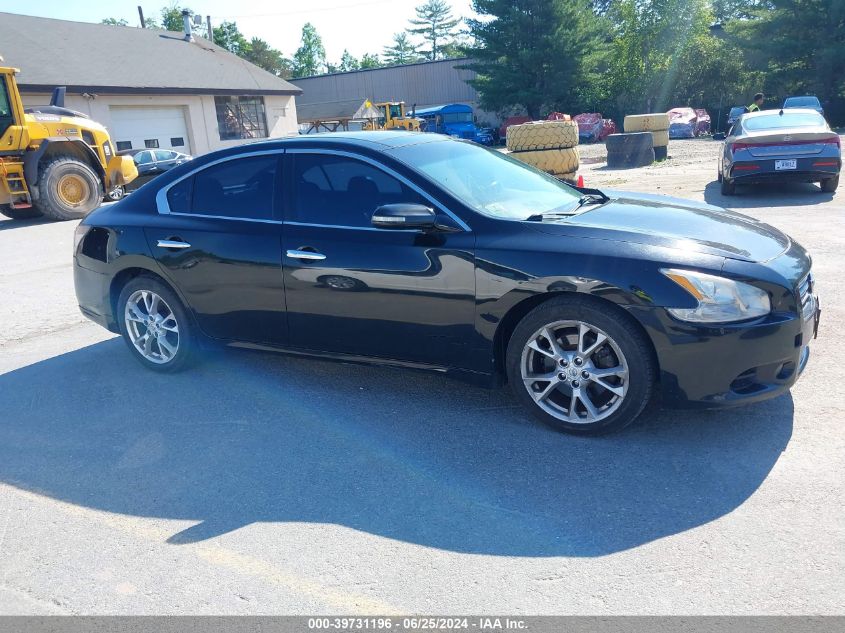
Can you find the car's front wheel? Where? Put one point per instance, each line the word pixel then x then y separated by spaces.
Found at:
pixel 580 367
pixel 155 325
pixel 116 193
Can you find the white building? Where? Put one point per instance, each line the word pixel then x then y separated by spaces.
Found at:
pixel 150 88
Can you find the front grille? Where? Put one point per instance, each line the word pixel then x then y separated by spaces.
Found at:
pixel 806 297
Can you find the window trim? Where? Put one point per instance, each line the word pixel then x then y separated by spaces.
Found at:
pixel 163 207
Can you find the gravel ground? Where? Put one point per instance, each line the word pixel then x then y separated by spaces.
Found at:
pixel 260 484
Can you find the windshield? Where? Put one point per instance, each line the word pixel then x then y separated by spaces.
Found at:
pixel 801 102
pixel 778 121
pixel 488 181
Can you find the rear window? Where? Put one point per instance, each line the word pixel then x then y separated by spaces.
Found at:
pixel 776 121
pixel 801 102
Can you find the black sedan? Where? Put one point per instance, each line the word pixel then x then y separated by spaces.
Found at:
pixel 150 163
pixel 416 250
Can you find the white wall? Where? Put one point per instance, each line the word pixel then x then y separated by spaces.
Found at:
pixel 200 114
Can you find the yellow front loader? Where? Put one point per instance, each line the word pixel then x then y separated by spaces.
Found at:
pixel 392 117
pixel 53 161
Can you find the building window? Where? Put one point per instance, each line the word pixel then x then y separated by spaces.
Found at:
pixel 240 117
pixel 151 143
pixel 177 141
pixel 123 145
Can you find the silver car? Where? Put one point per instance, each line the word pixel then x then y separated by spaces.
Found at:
pixel 780 145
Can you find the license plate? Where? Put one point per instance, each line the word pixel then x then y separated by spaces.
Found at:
pixel 780 165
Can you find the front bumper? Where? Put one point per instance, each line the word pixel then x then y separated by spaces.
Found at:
pixel 728 365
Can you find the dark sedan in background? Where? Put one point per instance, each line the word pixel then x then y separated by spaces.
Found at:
pixel 780 145
pixel 150 163
pixel 808 101
pixel 420 251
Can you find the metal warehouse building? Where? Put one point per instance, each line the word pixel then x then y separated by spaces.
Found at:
pixel 326 97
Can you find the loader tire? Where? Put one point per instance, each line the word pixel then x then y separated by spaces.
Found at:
pixel 628 160
pixel 20 214
pixel 67 189
pixel 540 135
pixel 653 122
pixel 660 138
pixel 551 161
pixel 661 152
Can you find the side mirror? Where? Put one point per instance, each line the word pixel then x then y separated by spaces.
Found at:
pixel 719 136
pixel 404 216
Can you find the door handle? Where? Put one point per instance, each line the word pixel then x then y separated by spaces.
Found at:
pixel 300 254
pixel 173 244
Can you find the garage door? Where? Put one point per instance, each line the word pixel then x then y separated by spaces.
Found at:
pixel 140 127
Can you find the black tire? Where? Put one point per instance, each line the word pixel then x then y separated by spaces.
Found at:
pixel 719 175
pixel 186 342
pixel 728 187
pixel 629 143
pixel 661 152
pixel 20 214
pixel 619 327
pixel 628 160
pixel 830 185
pixel 46 193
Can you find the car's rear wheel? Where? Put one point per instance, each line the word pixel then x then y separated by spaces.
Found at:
pixel 728 187
pixel 155 325
pixel 580 367
pixel 830 185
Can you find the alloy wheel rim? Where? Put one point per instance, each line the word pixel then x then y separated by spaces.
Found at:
pixel 152 326
pixel 574 372
pixel 116 193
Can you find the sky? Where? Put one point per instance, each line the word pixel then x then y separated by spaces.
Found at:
pixel 362 26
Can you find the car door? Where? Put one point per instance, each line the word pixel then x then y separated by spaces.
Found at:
pixel 352 288
pixel 218 239
pixel 147 169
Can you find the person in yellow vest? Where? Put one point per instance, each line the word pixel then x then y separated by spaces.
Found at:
pixel 758 103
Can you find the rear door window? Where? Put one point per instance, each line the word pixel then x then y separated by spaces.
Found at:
pixel 242 188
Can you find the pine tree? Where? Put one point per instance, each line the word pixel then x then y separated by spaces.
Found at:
pixel 436 25
pixel 402 51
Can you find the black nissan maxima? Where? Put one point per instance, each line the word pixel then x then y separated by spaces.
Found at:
pixel 421 251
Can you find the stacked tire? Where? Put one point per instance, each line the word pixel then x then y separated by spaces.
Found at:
pixel 658 124
pixel 628 150
pixel 551 146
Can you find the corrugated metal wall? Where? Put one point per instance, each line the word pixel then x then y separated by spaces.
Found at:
pixel 425 84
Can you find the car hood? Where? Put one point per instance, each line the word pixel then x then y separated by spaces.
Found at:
pixel 675 223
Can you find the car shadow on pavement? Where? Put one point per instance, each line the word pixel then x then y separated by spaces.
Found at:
pixel 248 437
pixel 785 194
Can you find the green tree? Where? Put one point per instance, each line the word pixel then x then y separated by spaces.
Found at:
pixel 798 44
pixel 228 36
pixel 348 62
pixel 651 38
pixel 537 54
pixel 436 25
pixel 265 56
pixel 370 60
pixel 401 51
pixel 115 22
pixel 171 17
pixel 310 58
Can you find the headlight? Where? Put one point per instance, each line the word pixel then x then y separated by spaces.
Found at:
pixel 720 300
pixel 78 234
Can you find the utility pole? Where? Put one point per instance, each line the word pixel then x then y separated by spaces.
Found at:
pixel 210 32
pixel 141 15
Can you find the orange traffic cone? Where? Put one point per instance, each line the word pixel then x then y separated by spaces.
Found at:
pixel 580 181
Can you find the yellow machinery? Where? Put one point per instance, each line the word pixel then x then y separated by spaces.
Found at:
pixel 392 117
pixel 53 161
